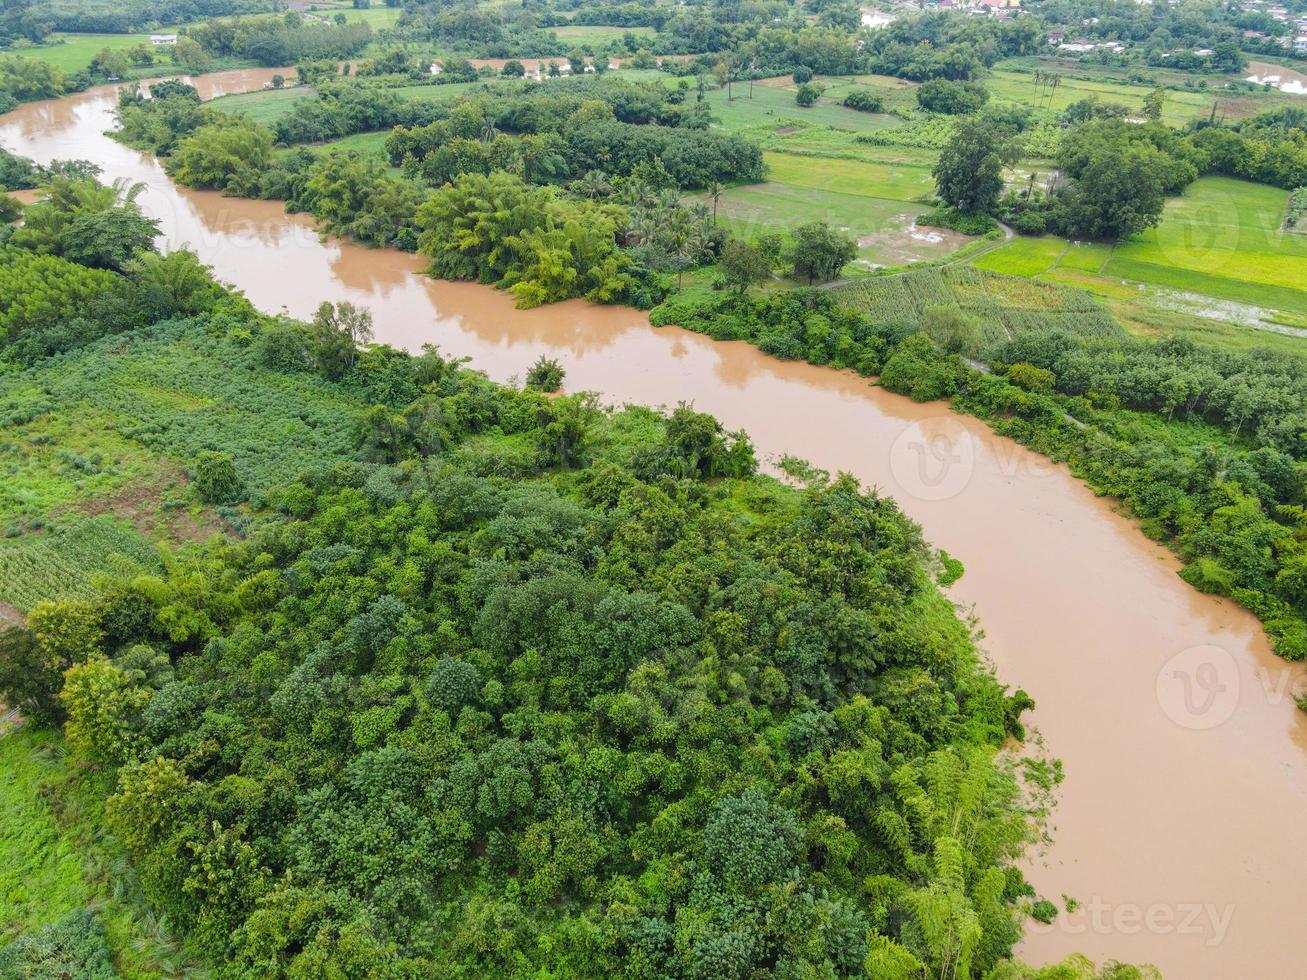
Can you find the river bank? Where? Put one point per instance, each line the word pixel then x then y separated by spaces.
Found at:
pixel 1173 718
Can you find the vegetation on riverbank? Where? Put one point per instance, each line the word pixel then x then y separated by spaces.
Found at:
pixel 578 669
pixel 1204 447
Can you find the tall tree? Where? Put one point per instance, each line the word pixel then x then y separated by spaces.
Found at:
pixel 969 172
pixel 820 252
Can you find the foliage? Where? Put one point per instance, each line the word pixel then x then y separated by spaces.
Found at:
pixel 951 98
pixel 73 946
pixel 967 224
pixel 546 374
pixel 864 101
pixel 216 479
pixel 416 734
pixel 28 79
pixel 794 325
pixel 819 252
pixel 807 94
pixel 694 158
pixel 17 173
pixel 743 264
pixel 49 303
pixel 213 153
pixel 539 245
pixel 969 171
pixel 1117 192
pixel 86 222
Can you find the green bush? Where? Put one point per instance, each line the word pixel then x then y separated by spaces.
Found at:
pixel 864 101
pixel 216 479
pixel 546 374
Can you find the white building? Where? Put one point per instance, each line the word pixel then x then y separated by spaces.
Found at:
pixel 159 40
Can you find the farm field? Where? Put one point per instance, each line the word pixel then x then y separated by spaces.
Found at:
pixel 1178 107
pixel 96 435
pixel 875 203
pixel 73 52
pixel 586 34
pixel 1007 305
pixel 1221 242
pixel 1221 239
pixel 1233 98
pixel 771 106
pixel 270 105
pixel 378 15
pixel 267 106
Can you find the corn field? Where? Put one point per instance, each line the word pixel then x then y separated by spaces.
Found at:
pixel 64 562
pixel 1003 304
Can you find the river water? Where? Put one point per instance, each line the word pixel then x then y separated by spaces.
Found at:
pixel 1186 784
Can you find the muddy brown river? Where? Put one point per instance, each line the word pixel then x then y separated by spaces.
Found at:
pixel 1186 782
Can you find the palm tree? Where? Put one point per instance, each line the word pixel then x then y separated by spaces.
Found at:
pixel 716 189
pixel 593 184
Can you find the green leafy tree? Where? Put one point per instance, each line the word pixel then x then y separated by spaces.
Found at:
pixel 563 427
pixel 969 171
pixel 743 264
pixel 820 252
pixel 546 374
pixel 30 678
pixel 1119 191
pixel 338 331
pixel 213 154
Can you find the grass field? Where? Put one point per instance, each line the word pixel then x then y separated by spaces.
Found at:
pixel 1128 85
pixel 772 106
pixel 1178 107
pixel 378 15
pixel 875 203
pixel 1221 239
pixel 73 52
pixel 598 36
pixel 56 856
pixel 1219 249
pixel 267 106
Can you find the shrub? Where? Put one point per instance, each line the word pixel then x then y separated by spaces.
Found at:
pixel 546 374
pixel 952 218
pixel 1036 379
pixel 216 479
pixel 951 98
pixel 864 101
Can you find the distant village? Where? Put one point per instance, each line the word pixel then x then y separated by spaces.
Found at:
pixel 1068 43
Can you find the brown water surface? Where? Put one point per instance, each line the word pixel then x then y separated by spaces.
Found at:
pixel 1186 785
